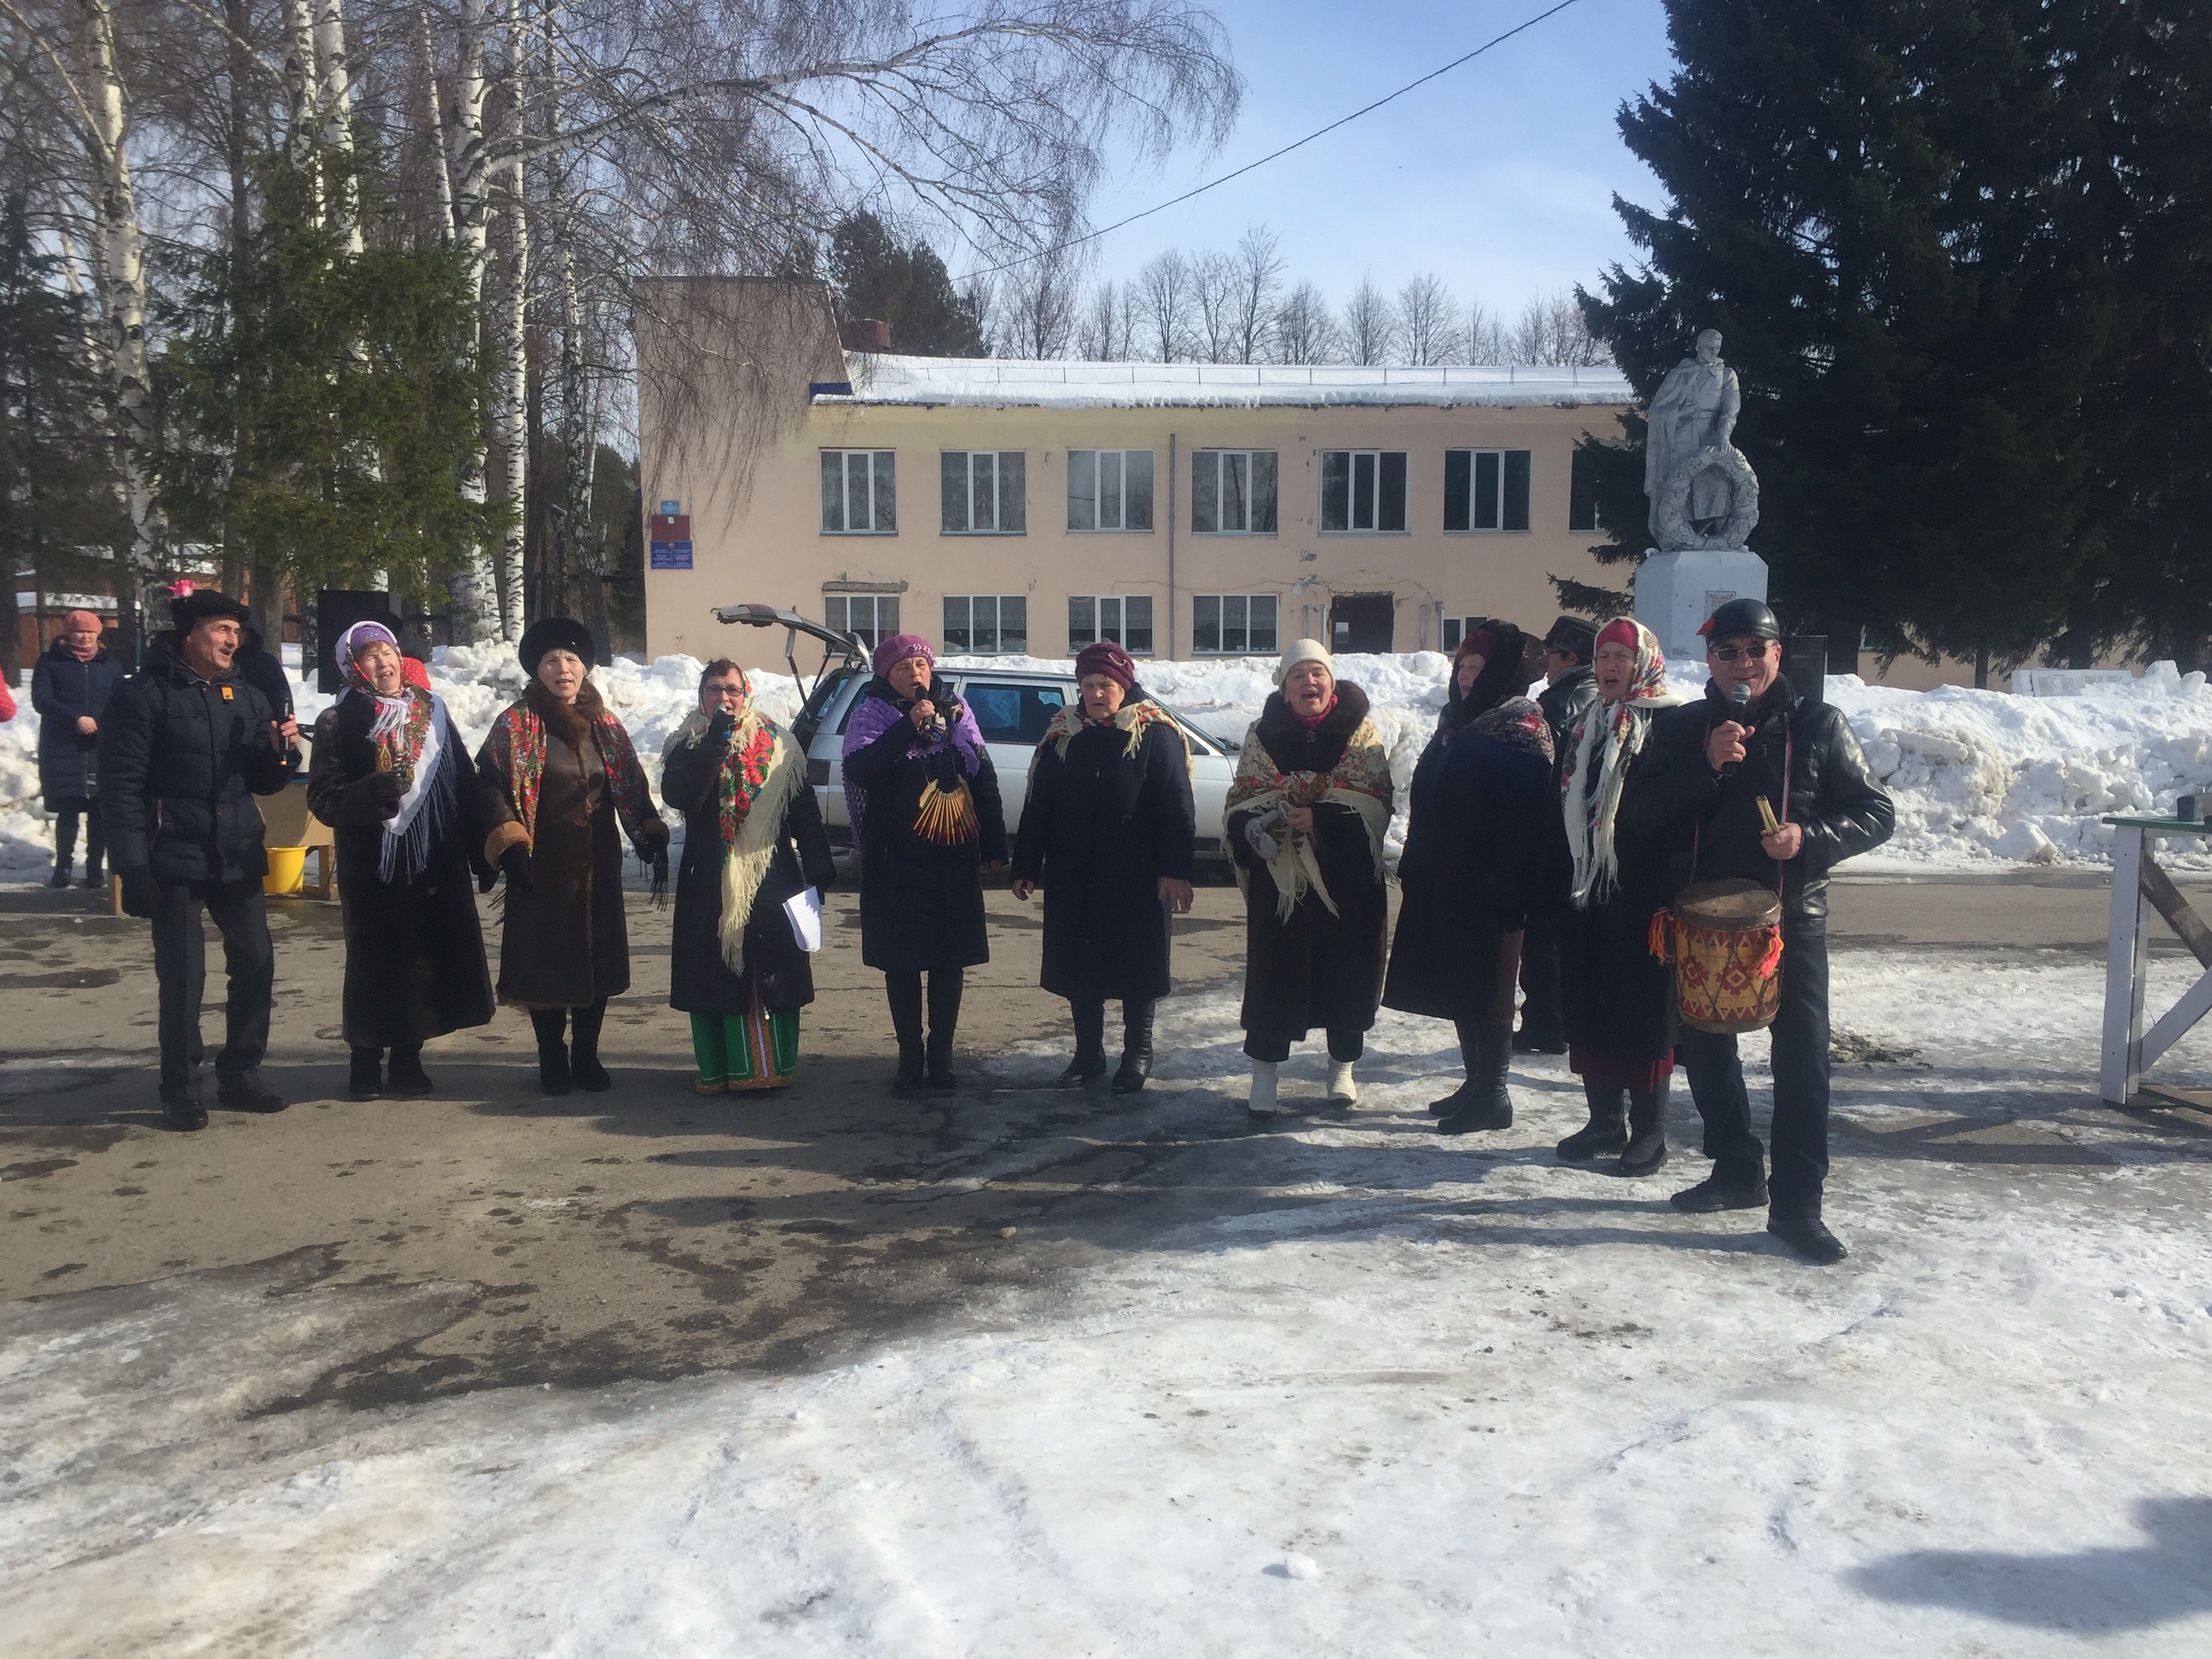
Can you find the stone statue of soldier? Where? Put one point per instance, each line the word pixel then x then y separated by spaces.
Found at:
pixel 1693 411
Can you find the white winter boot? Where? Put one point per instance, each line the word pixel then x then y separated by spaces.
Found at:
pixel 1262 1103
pixel 1342 1091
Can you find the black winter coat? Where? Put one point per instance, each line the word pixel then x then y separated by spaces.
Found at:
pixel 65 690
pixel 181 760
pixel 699 980
pixel 1316 969
pixel 1098 831
pixel 1564 702
pixel 1617 998
pixel 260 668
pixel 1480 854
pixel 921 903
pixel 1708 826
pixel 414 953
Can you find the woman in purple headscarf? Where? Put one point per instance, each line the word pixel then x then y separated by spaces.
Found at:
pixel 924 805
pixel 391 778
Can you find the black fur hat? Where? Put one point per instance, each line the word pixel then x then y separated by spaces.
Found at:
pixel 555 633
pixel 189 609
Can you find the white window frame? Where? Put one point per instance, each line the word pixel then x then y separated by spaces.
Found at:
pixel 879 626
pixel 1245 603
pixel 1090 466
pixel 1118 606
pixel 881 480
pixel 999 604
pixel 1372 459
pixel 974 464
pixel 1224 463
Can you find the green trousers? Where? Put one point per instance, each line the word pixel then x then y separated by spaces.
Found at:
pixel 751 1050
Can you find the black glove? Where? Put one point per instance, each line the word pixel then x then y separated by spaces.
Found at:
pixel 139 891
pixel 516 862
pixel 381 792
pixel 722 725
pixel 652 845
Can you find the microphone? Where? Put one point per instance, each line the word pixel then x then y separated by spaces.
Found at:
pixel 1740 704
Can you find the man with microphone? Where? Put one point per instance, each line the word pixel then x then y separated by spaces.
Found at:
pixel 1706 767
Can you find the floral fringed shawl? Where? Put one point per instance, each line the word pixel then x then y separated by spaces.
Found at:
pixel 517 748
pixel 1132 719
pixel 1360 779
pixel 758 775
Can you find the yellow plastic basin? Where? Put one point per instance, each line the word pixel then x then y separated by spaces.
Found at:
pixel 288 867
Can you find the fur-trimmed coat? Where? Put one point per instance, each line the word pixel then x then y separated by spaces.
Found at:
pixel 700 979
pixel 1316 966
pixel 414 954
pixel 565 944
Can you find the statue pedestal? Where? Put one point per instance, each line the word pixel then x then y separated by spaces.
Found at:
pixel 1676 591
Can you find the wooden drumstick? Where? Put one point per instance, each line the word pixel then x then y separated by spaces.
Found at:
pixel 1766 815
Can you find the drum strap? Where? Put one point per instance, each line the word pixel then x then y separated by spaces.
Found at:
pixel 1698 831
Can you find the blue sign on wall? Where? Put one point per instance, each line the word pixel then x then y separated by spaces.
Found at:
pixel 670 556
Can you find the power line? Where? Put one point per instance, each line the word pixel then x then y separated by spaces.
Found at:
pixel 1275 155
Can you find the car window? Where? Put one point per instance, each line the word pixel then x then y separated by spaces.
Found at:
pixel 1014 713
pixel 817 703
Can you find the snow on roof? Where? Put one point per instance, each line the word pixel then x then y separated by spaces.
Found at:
pixel 988 382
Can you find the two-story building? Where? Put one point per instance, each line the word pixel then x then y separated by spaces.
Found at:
pixel 1184 510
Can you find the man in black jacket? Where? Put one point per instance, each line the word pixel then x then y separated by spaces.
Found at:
pixel 184 745
pixel 1570 688
pixel 1705 766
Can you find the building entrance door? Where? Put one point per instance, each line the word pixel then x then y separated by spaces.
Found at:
pixel 1361 622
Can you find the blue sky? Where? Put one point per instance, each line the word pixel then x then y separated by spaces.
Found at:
pixel 1498 177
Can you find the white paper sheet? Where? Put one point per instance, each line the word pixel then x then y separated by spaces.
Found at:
pixel 804 910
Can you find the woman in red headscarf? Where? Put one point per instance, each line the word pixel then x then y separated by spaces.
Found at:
pixel 1108 833
pixel 1616 997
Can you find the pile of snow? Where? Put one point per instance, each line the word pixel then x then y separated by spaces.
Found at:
pixel 1979 777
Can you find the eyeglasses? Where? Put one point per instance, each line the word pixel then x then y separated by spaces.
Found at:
pixel 1733 653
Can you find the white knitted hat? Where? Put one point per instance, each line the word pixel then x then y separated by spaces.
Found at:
pixel 1299 651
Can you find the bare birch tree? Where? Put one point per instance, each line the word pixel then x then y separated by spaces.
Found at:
pixel 1166 291
pixel 1305 327
pixel 1428 322
pixel 1259 267
pixel 1370 328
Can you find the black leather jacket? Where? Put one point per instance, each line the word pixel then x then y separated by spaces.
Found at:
pixel 1564 702
pixel 1674 797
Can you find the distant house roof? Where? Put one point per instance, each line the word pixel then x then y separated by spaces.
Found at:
pixel 996 382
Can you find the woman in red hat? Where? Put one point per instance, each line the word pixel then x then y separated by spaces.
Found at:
pixel 1108 833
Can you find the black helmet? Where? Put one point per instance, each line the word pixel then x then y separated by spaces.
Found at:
pixel 1738 617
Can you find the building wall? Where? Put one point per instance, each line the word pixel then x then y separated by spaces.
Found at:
pixel 757 535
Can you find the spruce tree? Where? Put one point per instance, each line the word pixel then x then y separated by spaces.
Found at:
pixel 903 285
pixel 1870 199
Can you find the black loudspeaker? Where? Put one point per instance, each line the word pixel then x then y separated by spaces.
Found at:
pixel 337 609
pixel 1805 665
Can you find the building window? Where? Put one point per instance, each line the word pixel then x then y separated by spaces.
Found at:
pixel 873 616
pixel 1233 624
pixel 986 624
pixel 860 492
pixel 1582 491
pixel 1362 489
pixel 983 493
pixel 1451 630
pixel 1122 619
pixel 1110 489
pixel 1485 490
pixel 1232 492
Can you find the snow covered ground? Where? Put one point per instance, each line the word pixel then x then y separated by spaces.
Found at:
pixel 1341 1387
pixel 1982 778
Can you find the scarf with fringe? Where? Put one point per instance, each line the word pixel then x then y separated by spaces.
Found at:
pixel 950 761
pixel 1601 749
pixel 412 734
pixel 1130 719
pixel 517 749
pixel 1360 779
pixel 758 775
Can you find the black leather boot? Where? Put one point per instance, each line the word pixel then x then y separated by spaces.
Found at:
pixel 1646 1152
pixel 584 1048
pixel 181 1108
pixel 1090 1062
pixel 1607 1130
pixel 405 1075
pixel 1470 1043
pixel 903 993
pixel 946 985
pixel 365 1075
pixel 1490 1106
pixel 553 1074
pixel 1136 1046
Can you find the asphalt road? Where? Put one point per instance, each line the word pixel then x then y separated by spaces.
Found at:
pixel 645 1233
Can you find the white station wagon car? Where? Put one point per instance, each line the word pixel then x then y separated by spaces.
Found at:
pixel 1012 709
